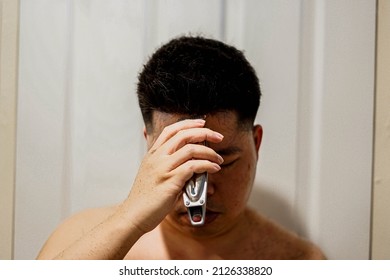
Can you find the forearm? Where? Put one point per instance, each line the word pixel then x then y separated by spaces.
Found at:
pixel 110 239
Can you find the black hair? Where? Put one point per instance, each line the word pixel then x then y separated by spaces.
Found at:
pixel 198 76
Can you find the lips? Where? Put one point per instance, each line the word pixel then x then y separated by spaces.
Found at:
pixel 209 218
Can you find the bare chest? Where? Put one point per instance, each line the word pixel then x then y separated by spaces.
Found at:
pixel 154 246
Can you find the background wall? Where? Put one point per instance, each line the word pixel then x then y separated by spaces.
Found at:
pixel 79 133
pixel 381 180
pixel 8 92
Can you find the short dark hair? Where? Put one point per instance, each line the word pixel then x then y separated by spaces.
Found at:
pixel 198 76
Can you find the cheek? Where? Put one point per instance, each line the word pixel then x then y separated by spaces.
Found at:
pixel 238 183
pixel 245 178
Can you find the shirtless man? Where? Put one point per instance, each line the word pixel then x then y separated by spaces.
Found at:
pixel 192 90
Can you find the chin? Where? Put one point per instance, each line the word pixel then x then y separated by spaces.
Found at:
pixel 181 222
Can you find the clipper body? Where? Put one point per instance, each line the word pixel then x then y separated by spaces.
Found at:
pixel 194 197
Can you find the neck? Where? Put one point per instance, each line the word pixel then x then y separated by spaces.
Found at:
pixel 200 243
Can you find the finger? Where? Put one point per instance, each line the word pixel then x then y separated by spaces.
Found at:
pixel 194 151
pixel 197 166
pixel 191 136
pixel 173 129
pixel 185 171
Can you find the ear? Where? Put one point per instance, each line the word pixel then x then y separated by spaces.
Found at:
pixel 149 138
pixel 257 137
pixel 145 133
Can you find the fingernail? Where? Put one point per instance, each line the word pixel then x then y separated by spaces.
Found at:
pixel 219 135
pixel 220 159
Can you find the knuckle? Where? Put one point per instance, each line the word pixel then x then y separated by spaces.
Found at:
pixel 190 150
pixel 181 133
pixel 152 151
pixel 167 130
pixel 191 165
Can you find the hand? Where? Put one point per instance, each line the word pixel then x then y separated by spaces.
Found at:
pixel 169 164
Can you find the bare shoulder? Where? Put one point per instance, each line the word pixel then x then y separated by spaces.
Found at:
pixel 72 229
pixel 274 242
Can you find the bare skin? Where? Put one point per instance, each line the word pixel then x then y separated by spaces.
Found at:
pixel 152 223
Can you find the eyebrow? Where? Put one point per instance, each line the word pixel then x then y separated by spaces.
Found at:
pixel 229 151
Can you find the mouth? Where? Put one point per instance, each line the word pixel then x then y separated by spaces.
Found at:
pixel 196 214
pixel 210 216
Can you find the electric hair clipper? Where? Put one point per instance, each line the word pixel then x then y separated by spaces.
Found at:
pixel 194 196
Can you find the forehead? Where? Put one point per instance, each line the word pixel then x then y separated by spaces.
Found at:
pixel 222 122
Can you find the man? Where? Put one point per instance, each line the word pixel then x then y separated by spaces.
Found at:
pixel 193 90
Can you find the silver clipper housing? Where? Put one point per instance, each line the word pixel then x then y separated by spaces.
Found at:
pixel 194 197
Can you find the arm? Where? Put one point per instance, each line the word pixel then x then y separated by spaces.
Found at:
pixel 169 163
pixel 91 234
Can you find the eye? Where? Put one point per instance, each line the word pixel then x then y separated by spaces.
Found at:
pixel 229 163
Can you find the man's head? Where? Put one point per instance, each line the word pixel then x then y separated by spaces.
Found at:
pixel 195 76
